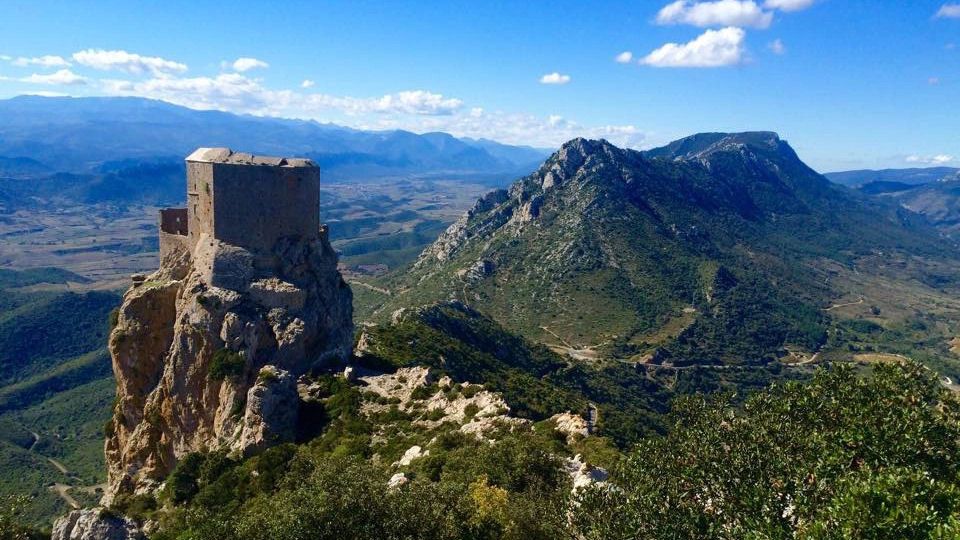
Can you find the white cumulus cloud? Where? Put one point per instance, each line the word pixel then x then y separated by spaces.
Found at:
pixel 625 57
pixel 307 83
pixel 939 159
pixel 43 61
pixel 713 48
pixel 136 64
pixel 246 64
pixel 236 92
pixel 554 78
pixel 788 5
pixel 949 11
pixel 717 13
pixel 419 111
pixel 419 102
pixel 521 128
pixel 64 76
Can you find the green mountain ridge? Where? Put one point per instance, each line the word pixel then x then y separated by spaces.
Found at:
pixel 704 251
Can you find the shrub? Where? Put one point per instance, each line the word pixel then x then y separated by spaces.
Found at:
pixel 267 376
pixel 840 457
pixel 11 527
pixel 136 506
pixel 471 410
pixel 424 392
pixel 226 364
pixel 113 318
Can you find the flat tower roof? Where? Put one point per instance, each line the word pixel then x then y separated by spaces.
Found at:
pixel 227 156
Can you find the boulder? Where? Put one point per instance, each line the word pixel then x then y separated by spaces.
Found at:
pixel 397 480
pixel 412 453
pixel 572 425
pixel 275 293
pixel 95 524
pixel 271 411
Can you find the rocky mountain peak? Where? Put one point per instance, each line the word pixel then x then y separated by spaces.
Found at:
pixel 703 145
pixel 634 239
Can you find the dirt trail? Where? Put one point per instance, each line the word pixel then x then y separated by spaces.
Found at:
pixel 371 287
pixel 835 306
pixel 63 491
pixel 560 339
pixel 60 467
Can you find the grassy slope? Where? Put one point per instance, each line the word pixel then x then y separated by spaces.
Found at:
pixel 70 428
pixel 55 381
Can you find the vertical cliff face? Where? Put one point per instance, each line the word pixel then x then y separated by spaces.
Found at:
pixel 207 349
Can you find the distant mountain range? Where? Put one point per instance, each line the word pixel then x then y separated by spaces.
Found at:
pixel 94 136
pixel 932 192
pixel 937 201
pixel 911 177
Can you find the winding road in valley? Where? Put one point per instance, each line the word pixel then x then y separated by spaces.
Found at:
pixel 62 490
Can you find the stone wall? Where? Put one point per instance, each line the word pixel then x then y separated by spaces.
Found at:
pixel 251 201
pixel 199 200
pixel 173 220
pixel 173 245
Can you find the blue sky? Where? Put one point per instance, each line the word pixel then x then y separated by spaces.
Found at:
pixel 850 83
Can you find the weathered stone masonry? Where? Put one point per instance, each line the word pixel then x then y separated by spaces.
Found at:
pixel 245 200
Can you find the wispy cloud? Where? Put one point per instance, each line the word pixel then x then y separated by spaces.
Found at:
pixel 246 64
pixel 624 58
pixel 939 159
pixel 554 78
pixel 64 76
pixel 239 93
pixel 521 128
pixel 713 48
pixel 127 62
pixel 42 61
pixel 949 11
pixel 415 110
pixel 788 5
pixel 719 13
pixel 777 47
pixel 307 83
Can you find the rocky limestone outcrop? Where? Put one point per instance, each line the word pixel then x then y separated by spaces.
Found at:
pixel 574 426
pixel 271 412
pixel 582 474
pixel 95 524
pixel 207 349
pixel 475 410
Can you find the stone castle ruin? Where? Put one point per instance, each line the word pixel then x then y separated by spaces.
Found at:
pixel 244 200
pixel 207 350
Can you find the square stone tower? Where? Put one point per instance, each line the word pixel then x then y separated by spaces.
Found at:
pixel 251 201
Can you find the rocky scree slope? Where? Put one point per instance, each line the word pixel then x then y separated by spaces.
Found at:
pixel 697 252
pixel 211 367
